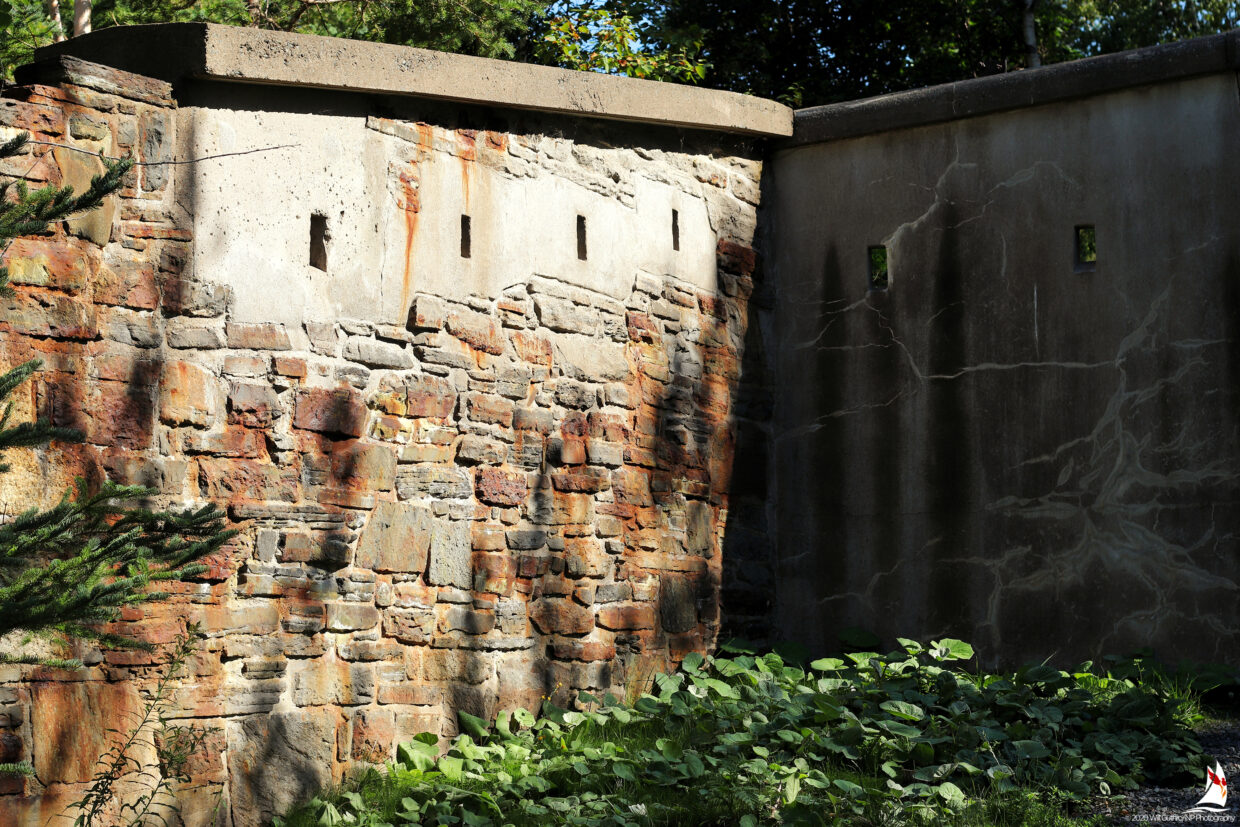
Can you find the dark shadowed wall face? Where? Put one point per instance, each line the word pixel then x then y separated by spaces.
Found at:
pixel 1030 437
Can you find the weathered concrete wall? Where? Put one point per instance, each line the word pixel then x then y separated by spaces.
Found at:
pixel 1004 446
pixel 460 482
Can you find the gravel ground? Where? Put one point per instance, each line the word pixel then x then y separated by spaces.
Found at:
pixel 1166 805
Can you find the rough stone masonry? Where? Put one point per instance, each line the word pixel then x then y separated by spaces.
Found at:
pixel 461 500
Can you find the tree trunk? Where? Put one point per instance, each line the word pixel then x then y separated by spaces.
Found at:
pixel 1029 29
pixel 81 17
pixel 253 8
pixel 58 28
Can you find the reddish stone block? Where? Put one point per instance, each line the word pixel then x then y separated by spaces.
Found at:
pixel 187 395
pixel 641 327
pixel 338 411
pixel 141 229
pixel 489 409
pixel 409 694
pixel 571 509
pixel 132 286
pixel 533 419
pixel 681 645
pixel 289 366
pixel 607 427
pixel 500 487
pixel 632 487
pixel 713 306
pixel 62 263
pixel 50 315
pixel 115 415
pixel 253 405
pixel 70 725
pixel 363 466
pixel 575 425
pixel 532 347
pixel 588 481
pixel 721 361
pixel 572 452
pixel 627 617
pixel 430 397
pixel 488 538
pixel 233 441
pixel 560 616
pixel 126 366
pixel 240 479
pixel 390 402
pixel 735 258
pixel 495 573
pixel 257 336
pixel 477 330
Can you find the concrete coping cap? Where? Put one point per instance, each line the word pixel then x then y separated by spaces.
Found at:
pixel 177 51
pixel 1017 90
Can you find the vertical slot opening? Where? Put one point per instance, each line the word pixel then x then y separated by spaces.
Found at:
pixel 581 237
pixel 879 277
pixel 466 240
pixel 675 229
pixel 1086 248
pixel 318 241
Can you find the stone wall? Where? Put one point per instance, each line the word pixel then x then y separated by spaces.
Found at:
pixel 453 496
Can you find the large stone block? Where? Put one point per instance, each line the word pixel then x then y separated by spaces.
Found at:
pixel 345 616
pixel 699 528
pixel 477 330
pixel 627 617
pixel 253 405
pixel 677 604
pixel 334 683
pixel 69 726
pixel 76 170
pixel 363 467
pixel 278 760
pixel 409 625
pixel 451 554
pixel 433 481
pixel 374 731
pixel 335 411
pixel 500 487
pixel 560 616
pixel 257 336
pixel 187 395
pixel 397 539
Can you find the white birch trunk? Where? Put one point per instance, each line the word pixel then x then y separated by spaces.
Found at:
pixel 81 17
pixel 58 27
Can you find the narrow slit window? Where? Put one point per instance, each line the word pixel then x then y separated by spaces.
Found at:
pixel 879 277
pixel 466 239
pixel 1086 248
pixel 318 241
pixel 675 229
pixel 581 237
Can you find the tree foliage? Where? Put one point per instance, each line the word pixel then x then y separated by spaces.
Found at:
pixel 67 569
pixel 801 51
pixel 819 51
pixel 487 28
pixel 607 38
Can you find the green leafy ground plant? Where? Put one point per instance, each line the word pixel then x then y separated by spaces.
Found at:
pixel 912 736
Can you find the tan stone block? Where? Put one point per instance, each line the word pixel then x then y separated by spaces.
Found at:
pixel 561 616
pixel 187 395
pixel 397 539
